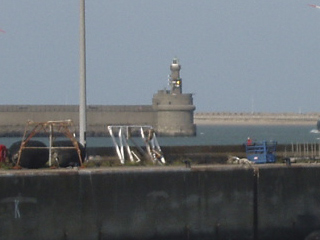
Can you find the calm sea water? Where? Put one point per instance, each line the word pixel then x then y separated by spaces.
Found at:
pixel 237 134
pixel 220 135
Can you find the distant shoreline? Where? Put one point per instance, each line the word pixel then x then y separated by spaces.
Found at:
pixel 270 123
pixel 256 119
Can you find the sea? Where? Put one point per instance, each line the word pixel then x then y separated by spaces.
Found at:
pixel 219 135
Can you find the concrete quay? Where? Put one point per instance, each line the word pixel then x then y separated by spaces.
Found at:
pixel 205 202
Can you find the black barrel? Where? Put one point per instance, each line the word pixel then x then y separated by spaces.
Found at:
pixel 30 158
pixel 67 157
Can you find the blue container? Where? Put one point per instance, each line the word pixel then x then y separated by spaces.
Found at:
pixel 261 152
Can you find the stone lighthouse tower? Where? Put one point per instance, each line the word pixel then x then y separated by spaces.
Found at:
pixel 174 109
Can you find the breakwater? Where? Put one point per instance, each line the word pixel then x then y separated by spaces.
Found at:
pixel 170 115
pixel 217 202
pixel 256 118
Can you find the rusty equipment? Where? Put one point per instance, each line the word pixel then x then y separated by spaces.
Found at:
pixel 63 127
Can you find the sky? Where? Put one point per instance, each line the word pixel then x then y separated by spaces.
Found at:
pixel 236 56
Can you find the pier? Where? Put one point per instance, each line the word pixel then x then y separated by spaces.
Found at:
pixel 204 202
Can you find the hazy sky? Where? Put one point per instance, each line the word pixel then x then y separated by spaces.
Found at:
pixel 236 56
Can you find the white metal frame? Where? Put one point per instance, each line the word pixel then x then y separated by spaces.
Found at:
pixel 121 143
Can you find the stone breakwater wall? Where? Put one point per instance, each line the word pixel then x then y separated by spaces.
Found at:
pixel 169 115
pixel 256 118
pixel 13 118
pixel 221 202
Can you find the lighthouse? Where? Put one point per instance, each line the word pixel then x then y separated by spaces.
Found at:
pixel 174 109
pixel 175 80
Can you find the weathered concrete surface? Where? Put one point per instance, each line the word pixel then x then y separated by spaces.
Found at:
pixel 216 202
pixel 160 203
pixel 289 201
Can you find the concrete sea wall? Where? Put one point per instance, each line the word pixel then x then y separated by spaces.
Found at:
pixel 218 202
pixel 170 115
pixel 13 118
pixel 236 118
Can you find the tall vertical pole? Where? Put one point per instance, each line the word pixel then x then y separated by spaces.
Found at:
pixel 83 101
pixel 50 144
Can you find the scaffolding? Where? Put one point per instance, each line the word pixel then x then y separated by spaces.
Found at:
pixel 51 128
pixel 123 138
